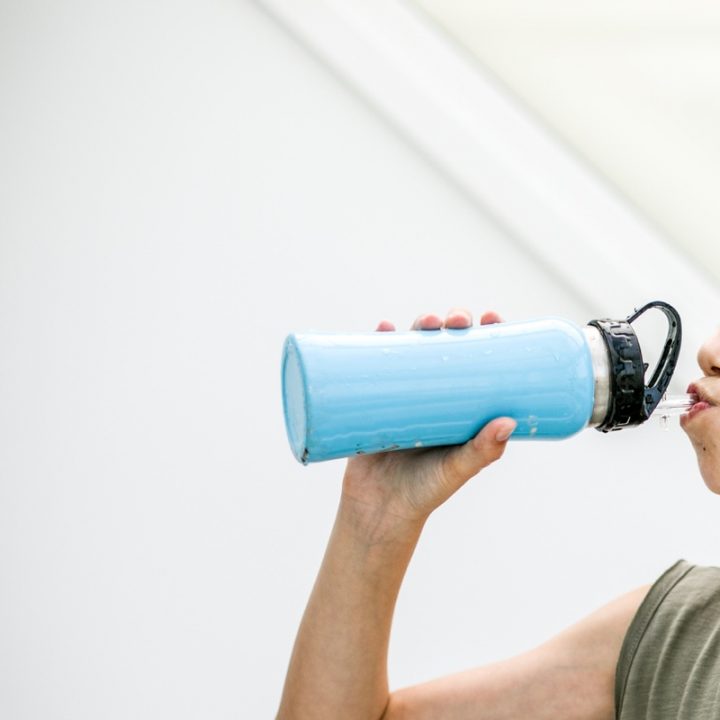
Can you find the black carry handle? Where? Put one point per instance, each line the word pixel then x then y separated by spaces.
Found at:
pixel 668 360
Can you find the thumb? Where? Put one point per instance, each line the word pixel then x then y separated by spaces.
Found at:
pixel 479 452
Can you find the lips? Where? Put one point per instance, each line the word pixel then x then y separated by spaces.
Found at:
pixel 703 401
pixel 698 407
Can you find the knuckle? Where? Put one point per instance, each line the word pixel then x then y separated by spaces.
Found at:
pixel 453 466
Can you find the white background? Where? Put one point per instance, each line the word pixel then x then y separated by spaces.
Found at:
pixel 181 184
pixel 632 85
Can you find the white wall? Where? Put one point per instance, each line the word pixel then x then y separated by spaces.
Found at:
pixel 181 185
pixel 633 86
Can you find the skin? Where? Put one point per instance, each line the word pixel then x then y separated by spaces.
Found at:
pixel 702 423
pixel 338 668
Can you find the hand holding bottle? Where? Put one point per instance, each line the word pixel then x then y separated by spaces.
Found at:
pixel 410 484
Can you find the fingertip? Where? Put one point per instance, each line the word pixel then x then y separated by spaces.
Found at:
pixel 385 326
pixel 490 318
pixel 429 321
pixel 459 318
pixel 504 430
pixel 496 431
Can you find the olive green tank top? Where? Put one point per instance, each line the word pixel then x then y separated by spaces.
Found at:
pixel 669 665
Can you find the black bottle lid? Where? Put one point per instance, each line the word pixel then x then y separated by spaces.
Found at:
pixel 631 401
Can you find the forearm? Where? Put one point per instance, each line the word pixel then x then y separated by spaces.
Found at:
pixel 339 664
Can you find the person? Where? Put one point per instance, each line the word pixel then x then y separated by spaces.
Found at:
pixel 652 653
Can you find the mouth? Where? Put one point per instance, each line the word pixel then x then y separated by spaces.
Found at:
pixel 703 402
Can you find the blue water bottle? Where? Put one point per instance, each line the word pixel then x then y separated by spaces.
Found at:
pixel 348 394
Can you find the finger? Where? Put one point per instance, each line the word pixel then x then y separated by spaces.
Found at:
pixel 385 326
pixel 464 461
pixel 459 318
pixel 490 318
pixel 427 322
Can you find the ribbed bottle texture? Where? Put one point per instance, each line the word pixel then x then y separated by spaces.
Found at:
pixel 347 394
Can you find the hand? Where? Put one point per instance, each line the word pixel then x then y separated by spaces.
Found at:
pixel 410 484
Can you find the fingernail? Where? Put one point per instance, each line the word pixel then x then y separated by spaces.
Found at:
pixel 505 432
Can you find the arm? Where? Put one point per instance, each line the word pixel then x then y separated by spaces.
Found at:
pixel 338 668
pixel 338 665
pixel 570 677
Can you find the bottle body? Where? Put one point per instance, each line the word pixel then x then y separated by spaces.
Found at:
pixel 347 394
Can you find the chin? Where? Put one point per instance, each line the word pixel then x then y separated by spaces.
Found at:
pixel 702 426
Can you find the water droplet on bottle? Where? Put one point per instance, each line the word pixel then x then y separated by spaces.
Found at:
pixel 533 424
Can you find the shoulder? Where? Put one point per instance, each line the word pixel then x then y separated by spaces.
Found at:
pixel 672 643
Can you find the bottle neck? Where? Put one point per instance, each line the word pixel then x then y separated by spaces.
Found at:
pixel 601 373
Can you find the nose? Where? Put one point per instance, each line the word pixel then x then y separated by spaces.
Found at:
pixel 709 355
